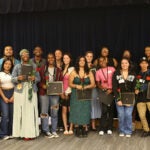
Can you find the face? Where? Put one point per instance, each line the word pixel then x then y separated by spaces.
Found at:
pixel 7 65
pixel 104 52
pixel 126 54
pixel 89 57
pixel 82 62
pixel 38 51
pixel 147 51
pixel 8 51
pixel 58 55
pixel 66 59
pixel 50 59
pixel 25 57
pixel 102 62
pixel 125 64
pixel 144 65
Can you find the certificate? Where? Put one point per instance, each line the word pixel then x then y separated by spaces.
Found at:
pixel 84 94
pixel 128 98
pixel 26 70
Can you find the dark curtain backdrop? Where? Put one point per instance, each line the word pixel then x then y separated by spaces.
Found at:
pixel 77 30
pixel 15 6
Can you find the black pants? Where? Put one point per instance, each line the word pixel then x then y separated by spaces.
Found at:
pixel 106 121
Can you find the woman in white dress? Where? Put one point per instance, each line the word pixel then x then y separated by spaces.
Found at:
pixel 25 117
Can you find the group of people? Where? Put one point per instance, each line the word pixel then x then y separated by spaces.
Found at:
pixel 24 98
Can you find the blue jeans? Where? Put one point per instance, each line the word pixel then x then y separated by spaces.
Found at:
pixel 49 103
pixel 6 114
pixel 125 119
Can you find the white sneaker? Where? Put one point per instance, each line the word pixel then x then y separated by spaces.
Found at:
pixel 6 137
pixel 121 134
pixel 55 135
pixel 101 132
pixel 128 135
pixel 49 135
pixel 109 132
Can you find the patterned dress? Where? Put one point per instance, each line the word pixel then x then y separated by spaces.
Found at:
pixel 80 110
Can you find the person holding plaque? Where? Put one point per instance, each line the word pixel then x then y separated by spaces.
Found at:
pixel 95 103
pixel 143 90
pixel 65 102
pixel 25 117
pixel 104 82
pixel 50 89
pixel 124 81
pixel 81 80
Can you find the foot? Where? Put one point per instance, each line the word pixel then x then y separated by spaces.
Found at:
pixel 128 135
pixel 121 134
pixel 48 135
pixel 145 134
pixel 109 132
pixel 101 132
pixel 55 135
pixel 66 132
pixel 6 137
pixel 70 132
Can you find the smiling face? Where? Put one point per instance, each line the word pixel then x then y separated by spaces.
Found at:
pixel 37 51
pixel 8 51
pixel 89 57
pixel 66 59
pixel 125 64
pixel 102 62
pixel 82 62
pixel 51 59
pixel 7 66
pixel 144 65
pixel 58 54
pixel 104 52
pixel 25 57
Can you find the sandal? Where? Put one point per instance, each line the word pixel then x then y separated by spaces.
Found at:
pixel 70 132
pixel 66 132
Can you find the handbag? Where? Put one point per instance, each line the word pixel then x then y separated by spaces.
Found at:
pixel 105 98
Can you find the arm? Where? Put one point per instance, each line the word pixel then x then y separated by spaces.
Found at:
pixel 92 82
pixel 5 99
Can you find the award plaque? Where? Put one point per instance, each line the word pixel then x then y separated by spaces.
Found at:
pixel 26 70
pixel 54 88
pixel 84 94
pixel 128 98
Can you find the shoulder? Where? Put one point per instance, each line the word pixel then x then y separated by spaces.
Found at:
pixel 70 69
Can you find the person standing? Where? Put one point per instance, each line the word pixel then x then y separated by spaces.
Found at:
pixel 6 99
pixel 124 80
pixel 80 110
pixel 95 103
pixel 25 117
pixel 143 102
pixel 104 82
pixel 49 73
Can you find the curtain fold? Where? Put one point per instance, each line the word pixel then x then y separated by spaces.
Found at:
pixel 17 6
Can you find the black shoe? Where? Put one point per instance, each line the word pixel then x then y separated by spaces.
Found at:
pixel 84 132
pixel 145 134
pixel 78 132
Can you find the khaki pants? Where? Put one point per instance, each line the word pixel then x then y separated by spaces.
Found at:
pixel 142 108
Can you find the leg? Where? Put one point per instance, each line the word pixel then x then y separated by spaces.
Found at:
pixel 64 117
pixel 110 118
pixel 54 102
pixel 121 117
pixel 44 106
pixel 141 107
pixel 4 119
pixel 128 119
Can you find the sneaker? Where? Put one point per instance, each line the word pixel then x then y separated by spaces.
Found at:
pixel 101 132
pixel 6 137
pixel 49 135
pixel 61 129
pixel 55 135
pixel 11 137
pixel 128 135
pixel 109 132
pixel 121 134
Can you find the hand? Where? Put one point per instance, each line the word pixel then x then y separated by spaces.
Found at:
pixel 11 100
pixel 109 91
pixel 79 87
pixel 31 78
pixel 44 86
pixel 6 100
pixel 137 91
pixel 21 77
pixel 119 103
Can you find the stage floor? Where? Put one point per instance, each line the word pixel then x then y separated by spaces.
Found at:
pixel 93 142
